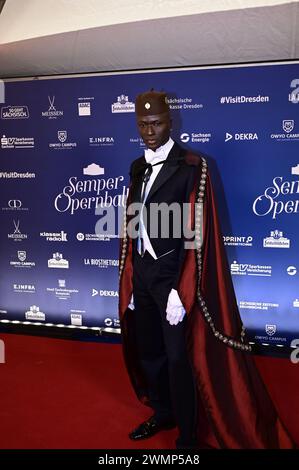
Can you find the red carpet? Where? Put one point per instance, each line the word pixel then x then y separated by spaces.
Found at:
pixel 69 394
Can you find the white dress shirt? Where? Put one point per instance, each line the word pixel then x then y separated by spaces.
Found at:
pixel 152 157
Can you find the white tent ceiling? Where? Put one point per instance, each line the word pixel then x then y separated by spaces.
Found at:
pixel 66 36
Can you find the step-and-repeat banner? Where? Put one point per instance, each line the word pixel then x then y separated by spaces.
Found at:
pixel 66 147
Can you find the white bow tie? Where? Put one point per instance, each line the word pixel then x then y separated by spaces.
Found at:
pixel 154 157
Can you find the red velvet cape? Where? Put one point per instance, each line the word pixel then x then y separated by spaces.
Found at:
pixel 234 408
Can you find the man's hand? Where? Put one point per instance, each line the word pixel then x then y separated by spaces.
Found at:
pixel 131 305
pixel 174 310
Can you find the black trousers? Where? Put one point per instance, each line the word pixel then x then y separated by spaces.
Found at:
pixel 161 346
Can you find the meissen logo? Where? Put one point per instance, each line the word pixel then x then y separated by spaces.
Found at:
pixel 52 112
pixel 242 136
pixel 57 261
pixel 35 314
pixel 276 240
pixel 123 105
pixel 250 269
pixel 17 235
pixel 14 112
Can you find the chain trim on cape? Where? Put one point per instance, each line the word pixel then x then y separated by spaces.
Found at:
pixel 198 242
pixel 124 244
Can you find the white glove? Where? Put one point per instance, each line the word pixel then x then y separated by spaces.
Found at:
pixel 174 310
pixel 131 305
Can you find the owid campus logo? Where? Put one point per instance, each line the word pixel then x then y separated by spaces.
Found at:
pixel 288 126
pixel 270 329
pixel 62 144
pixel 279 198
pixel 22 261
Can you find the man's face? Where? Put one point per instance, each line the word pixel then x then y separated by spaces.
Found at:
pixel 154 129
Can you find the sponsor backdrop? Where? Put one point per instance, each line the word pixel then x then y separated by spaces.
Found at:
pixel 66 146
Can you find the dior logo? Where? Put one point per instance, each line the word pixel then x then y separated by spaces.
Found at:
pixel 14 204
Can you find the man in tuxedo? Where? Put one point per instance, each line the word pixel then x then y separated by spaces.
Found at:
pixel 183 339
pixel 160 320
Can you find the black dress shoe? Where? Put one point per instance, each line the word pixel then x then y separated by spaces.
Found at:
pixel 150 428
